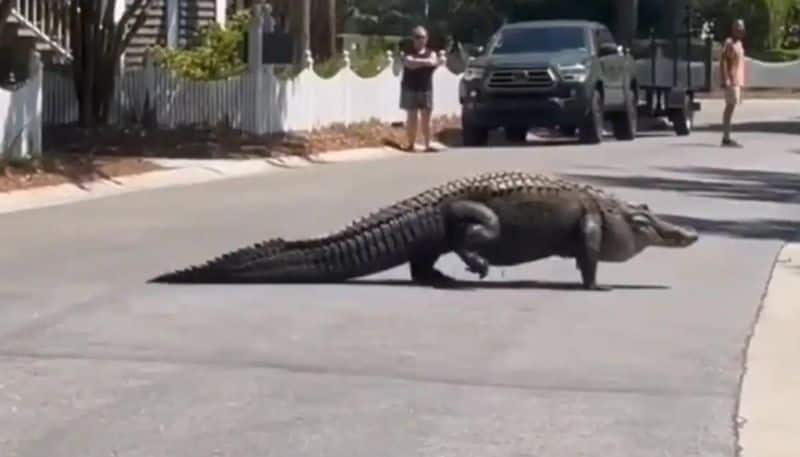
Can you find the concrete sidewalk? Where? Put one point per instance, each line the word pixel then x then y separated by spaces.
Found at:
pixel 770 395
pixel 177 172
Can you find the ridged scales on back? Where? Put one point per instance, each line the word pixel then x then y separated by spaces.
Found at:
pixel 465 216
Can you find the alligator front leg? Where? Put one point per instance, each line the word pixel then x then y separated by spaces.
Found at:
pixel 471 225
pixel 586 258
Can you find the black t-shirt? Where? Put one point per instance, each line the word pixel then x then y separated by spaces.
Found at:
pixel 419 79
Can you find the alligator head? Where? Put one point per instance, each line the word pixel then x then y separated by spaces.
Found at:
pixel 629 229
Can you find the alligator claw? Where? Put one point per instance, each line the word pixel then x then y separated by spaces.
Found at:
pixel 481 269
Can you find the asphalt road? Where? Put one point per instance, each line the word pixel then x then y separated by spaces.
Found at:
pixel 97 363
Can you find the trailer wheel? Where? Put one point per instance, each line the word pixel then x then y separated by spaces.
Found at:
pixel 625 123
pixel 682 118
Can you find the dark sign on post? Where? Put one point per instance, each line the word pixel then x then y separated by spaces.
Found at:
pixel 277 48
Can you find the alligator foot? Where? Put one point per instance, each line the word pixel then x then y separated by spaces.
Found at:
pixel 472 225
pixel 423 272
pixel 475 263
pixel 435 278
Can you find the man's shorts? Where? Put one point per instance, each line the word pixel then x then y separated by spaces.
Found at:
pixel 733 95
pixel 415 100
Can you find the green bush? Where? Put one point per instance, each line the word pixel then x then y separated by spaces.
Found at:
pixel 216 53
pixel 776 55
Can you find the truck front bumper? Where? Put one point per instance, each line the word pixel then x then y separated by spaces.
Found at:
pixel 568 106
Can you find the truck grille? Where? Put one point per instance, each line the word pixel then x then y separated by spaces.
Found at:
pixel 521 78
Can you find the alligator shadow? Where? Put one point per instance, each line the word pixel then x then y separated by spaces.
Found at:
pixel 450 285
pixel 503 285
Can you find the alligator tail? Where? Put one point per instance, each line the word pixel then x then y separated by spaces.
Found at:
pixel 338 257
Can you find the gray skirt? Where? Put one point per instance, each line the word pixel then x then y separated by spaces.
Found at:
pixel 415 100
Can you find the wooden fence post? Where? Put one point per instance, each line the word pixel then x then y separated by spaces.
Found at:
pixel 149 105
pixel 173 23
pixel 32 136
pixel 310 100
pixel 255 42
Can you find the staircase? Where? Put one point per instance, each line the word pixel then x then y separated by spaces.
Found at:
pixel 192 16
pixel 41 25
pixel 152 33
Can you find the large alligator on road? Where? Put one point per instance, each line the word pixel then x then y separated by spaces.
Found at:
pixel 494 218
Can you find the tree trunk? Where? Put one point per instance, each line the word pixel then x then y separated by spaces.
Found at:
pixel 97 44
pixel 323 29
pixel 676 15
pixel 301 13
pixel 332 29
pixel 627 14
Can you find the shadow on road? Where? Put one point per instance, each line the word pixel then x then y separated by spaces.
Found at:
pixel 791 127
pixel 714 182
pixel 452 138
pixel 760 229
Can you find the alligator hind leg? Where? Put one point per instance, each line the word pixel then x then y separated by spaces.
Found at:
pixel 470 226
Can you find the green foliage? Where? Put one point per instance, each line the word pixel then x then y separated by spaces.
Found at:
pixel 768 22
pixel 216 54
pixel 366 62
pixel 776 55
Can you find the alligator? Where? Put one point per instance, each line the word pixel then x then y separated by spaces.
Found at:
pixel 500 218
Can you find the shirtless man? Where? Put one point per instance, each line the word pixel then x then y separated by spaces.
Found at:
pixel 732 73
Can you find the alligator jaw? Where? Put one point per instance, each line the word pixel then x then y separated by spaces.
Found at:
pixel 669 235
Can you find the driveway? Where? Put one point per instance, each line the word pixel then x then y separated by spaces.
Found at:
pixel 96 362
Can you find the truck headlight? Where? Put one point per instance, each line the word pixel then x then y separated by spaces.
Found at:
pixel 575 72
pixel 473 73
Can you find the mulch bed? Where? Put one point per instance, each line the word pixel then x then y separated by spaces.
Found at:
pixel 69 168
pixel 77 156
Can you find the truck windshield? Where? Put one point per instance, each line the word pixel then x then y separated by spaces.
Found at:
pixel 537 39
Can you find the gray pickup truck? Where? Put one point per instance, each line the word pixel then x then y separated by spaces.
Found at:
pixel 569 75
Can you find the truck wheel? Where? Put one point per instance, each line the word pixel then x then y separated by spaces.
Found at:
pixel 568 130
pixel 516 134
pixel 473 135
pixel 625 123
pixel 591 132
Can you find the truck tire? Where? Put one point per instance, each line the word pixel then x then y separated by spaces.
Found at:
pixel 568 130
pixel 591 132
pixel 472 135
pixel 625 123
pixel 516 134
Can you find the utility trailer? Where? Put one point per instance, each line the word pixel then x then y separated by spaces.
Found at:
pixel 671 71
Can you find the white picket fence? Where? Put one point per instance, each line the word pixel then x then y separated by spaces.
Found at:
pixel 257 101
pixel 766 75
pixel 21 116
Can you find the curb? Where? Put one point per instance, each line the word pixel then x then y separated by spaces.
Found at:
pixel 177 172
pixel 770 394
